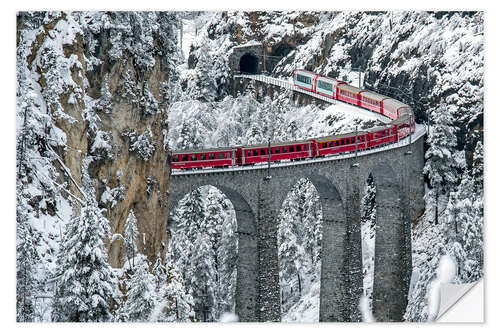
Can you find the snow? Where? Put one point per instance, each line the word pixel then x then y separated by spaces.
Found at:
pixel 364 307
pixel 228 317
pixel 445 274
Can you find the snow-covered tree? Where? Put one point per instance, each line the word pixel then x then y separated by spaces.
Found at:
pixel 174 303
pixel 204 247
pixel 440 165
pixel 143 144
pixel 87 288
pixel 130 237
pixel 299 239
pixel 141 295
pixel 26 256
pixel 368 221
pixel 202 85
pixel 202 279
pixel 426 254
pixel 465 216
pixel 478 168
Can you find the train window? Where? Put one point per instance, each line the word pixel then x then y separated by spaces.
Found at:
pixel 325 86
pixel 304 79
pixel 194 157
pixel 284 149
pixel 184 158
pixel 299 148
pixel 175 158
pixel 291 149
pixel 203 157
pixel 211 156
pixel 220 156
pixel 256 152
pixel 263 152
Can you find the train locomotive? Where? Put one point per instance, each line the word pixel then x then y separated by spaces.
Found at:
pixel 402 125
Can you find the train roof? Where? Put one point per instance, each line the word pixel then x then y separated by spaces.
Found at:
pixel 394 103
pixel 339 136
pixel 402 118
pixel 374 96
pixel 276 144
pixel 326 78
pixel 380 128
pixel 349 88
pixel 308 73
pixel 204 150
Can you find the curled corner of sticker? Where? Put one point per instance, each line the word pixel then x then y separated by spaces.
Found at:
pixel 461 302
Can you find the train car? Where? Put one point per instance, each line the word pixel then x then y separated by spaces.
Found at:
pixel 341 143
pixel 373 101
pixel 304 79
pixel 279 151
pixel 404 124
pixel 393 107
pixel 202 158
pixel 349 94
pixel 327 86
pixel 382 135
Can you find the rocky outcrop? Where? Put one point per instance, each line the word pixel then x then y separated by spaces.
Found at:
pixel 103 78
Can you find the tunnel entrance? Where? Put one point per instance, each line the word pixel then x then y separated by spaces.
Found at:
pixel 249 64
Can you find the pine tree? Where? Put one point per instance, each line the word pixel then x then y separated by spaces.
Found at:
pixel 175 304
pixel 427 256
pixel 478 168
pixel 130 238
pixel 299 239
pixel 87 287
pixel 203 278
pixel 465 215
pixel 440 165
pixel 203 86
pixel 25 262
pixel 141 295
pixel 368 221
pixel 226 254
pixel 187 218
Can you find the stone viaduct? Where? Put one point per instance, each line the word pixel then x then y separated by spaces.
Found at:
pixel 339 183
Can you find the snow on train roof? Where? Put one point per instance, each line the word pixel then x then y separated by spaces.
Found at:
pixel 375 96
pixel 326 78
pixel 350 88
pixel 394 103
pixel 204 150
pixel 339 136
pixel 276 144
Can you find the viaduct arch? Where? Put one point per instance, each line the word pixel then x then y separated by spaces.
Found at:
pixel 257 202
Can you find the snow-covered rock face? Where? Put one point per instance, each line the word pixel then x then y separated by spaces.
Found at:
pixel 87 79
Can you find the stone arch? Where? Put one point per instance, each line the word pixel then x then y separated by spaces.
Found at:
pixel 335 272
pixel 247 266
pixel 249 63
pixel 390 288
pixel 296 281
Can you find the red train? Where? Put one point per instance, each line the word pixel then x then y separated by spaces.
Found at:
pixel 402 125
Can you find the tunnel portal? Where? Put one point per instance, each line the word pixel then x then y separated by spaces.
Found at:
pixel 249 64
